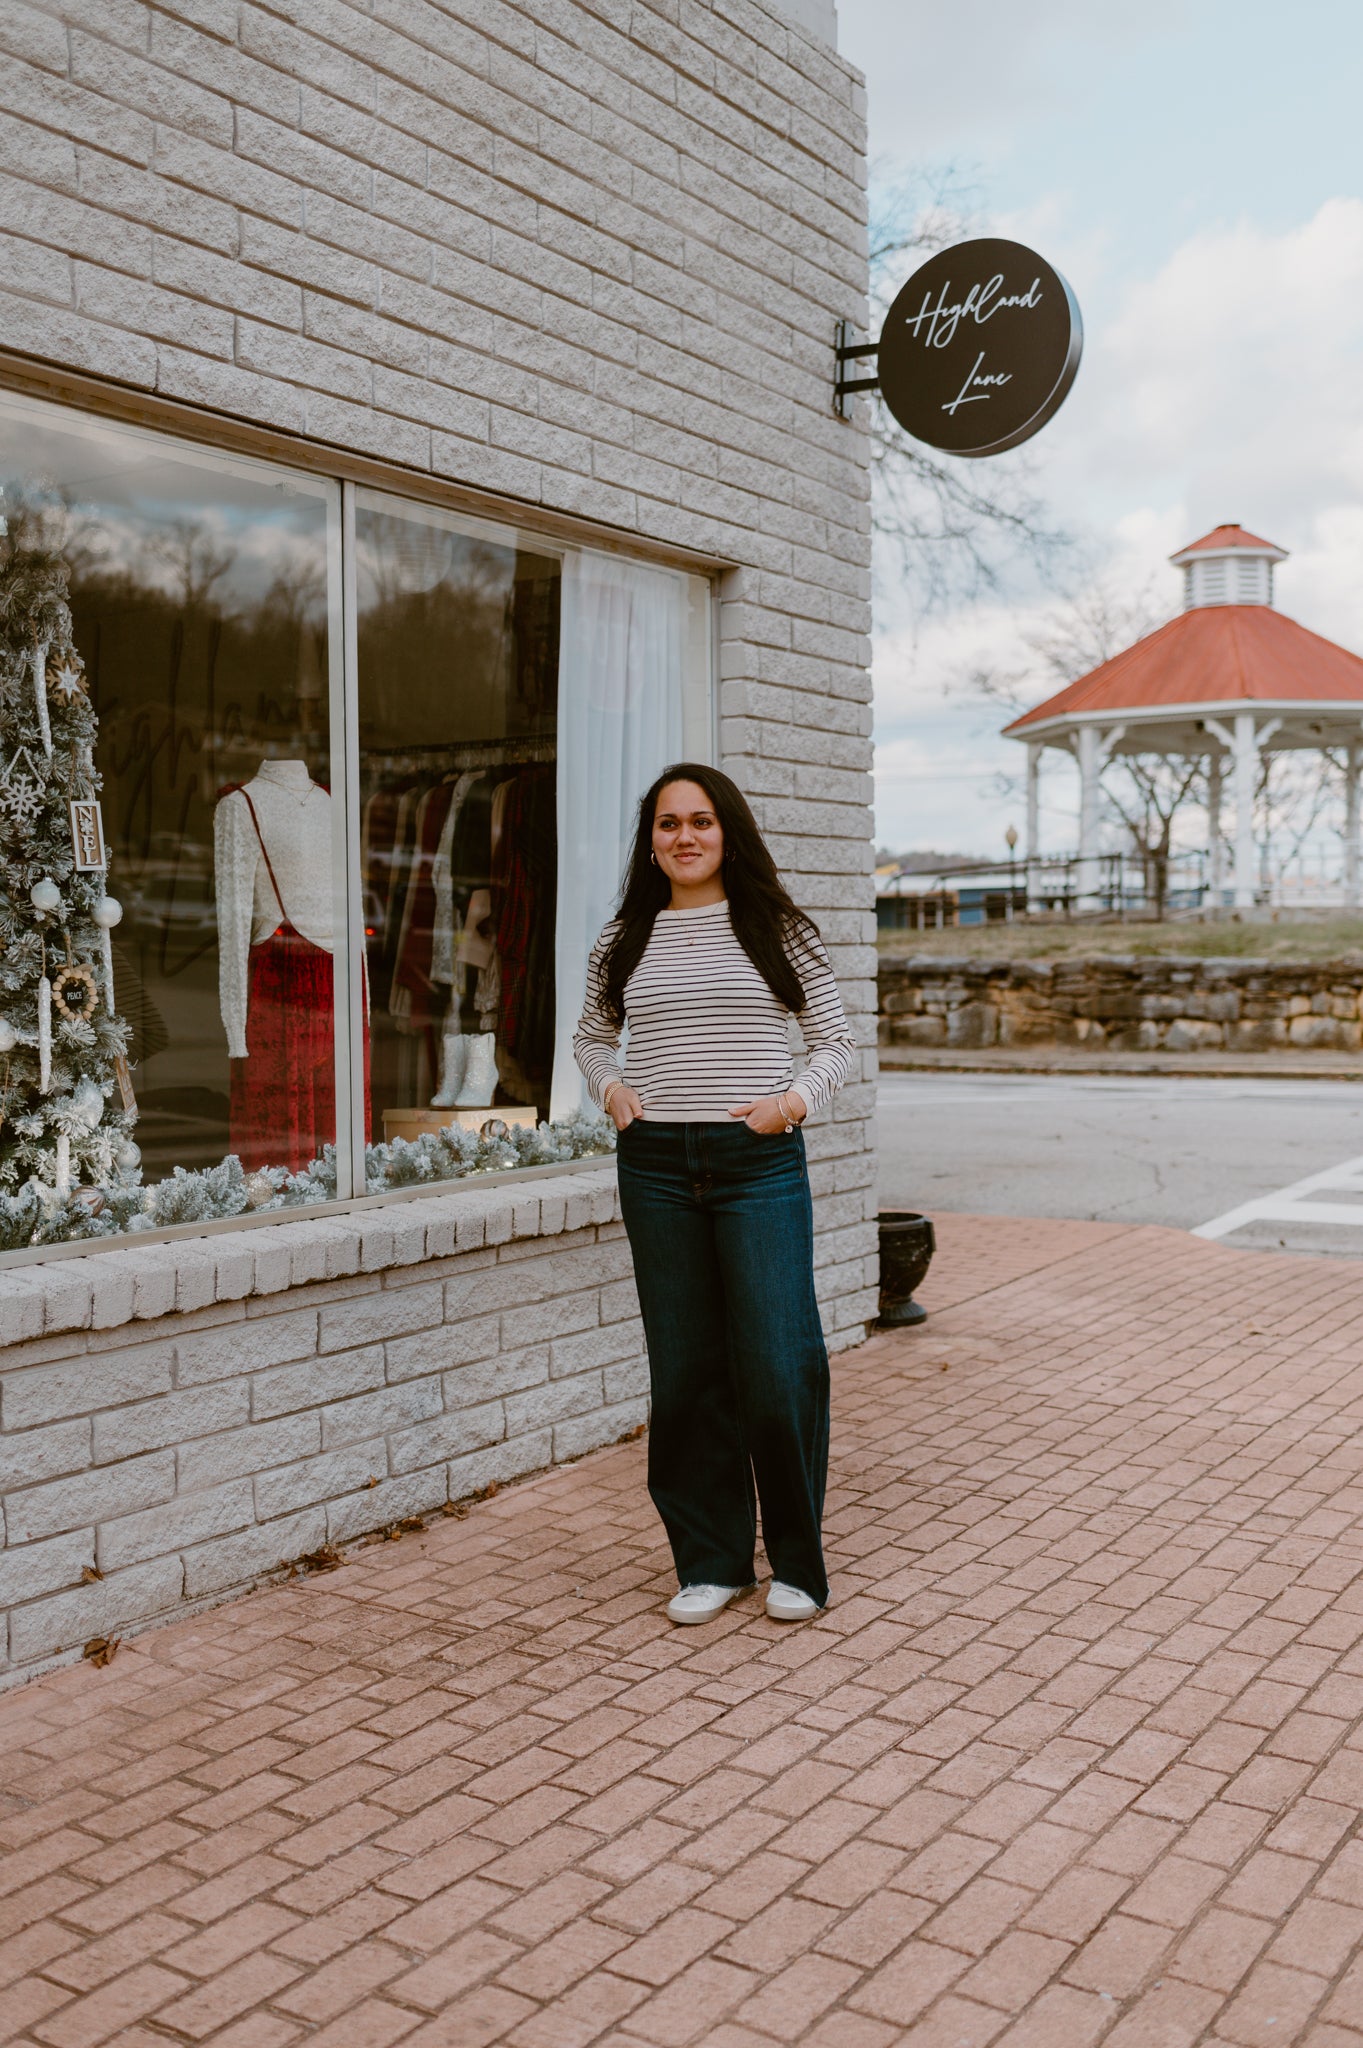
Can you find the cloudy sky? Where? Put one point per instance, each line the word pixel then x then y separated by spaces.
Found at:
pixel 1196 174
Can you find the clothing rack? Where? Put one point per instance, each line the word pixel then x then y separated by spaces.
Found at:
pixel 464 754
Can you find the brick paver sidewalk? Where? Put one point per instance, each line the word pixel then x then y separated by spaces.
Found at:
pixel 1075 1756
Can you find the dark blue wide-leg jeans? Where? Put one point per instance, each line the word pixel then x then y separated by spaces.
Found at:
pixel 722 1233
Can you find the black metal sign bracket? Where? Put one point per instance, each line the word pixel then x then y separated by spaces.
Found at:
pixel 846 352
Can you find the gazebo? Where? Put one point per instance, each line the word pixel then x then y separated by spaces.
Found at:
pixel 1229 679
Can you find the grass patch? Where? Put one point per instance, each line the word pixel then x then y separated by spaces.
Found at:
pixel 1280 937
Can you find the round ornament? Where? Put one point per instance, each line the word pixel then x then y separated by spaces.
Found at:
pixel 494 1129
pixel 45 895
pixel 127 1156
pixel 87 1100
pixel 90 1199
pixel 75 991
pixel 9 1037
pixel 107 913
pixel 259 1189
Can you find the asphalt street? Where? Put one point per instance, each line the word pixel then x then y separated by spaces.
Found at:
pixel 1224 1158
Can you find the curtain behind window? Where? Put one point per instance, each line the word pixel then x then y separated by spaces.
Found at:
pixel 620 721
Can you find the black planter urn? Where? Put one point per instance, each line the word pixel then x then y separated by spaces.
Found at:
pixel 907 1243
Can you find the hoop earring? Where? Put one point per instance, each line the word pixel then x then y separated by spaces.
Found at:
pixel 654 858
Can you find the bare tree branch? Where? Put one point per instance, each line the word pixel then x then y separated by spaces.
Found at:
pixel 1146 791
pixel 1091 625
pixel 1294 790
pixel 1095 621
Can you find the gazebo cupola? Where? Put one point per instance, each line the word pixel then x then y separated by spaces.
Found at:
pixel 1228 566
pixel 1227 680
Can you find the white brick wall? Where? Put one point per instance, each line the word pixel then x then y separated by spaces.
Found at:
pixel 584 253
pixel 183 1454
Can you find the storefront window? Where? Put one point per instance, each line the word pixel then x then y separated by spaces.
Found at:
pixel 325 933
pixel 199 593
pixel 458 634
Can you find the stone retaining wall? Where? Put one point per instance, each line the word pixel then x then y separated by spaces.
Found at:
pixel 1174 1004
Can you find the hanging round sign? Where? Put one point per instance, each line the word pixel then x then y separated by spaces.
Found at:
pixel 980 348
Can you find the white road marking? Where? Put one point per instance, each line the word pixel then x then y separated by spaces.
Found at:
pixel 1292 1204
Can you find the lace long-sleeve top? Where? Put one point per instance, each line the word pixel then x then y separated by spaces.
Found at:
pixel 705 1031
pixel 295 819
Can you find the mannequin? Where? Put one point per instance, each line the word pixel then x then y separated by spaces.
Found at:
pixel 273 877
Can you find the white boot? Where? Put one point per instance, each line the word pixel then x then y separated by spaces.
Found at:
pixel 454 1054
pixel 480 1071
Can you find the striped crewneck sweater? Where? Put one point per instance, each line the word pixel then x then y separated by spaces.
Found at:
pixel 705 1033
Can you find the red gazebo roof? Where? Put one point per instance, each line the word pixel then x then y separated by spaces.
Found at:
pixel 1215 654
pixel 1231 536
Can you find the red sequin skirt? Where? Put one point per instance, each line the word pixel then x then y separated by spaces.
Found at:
pixel 283 1103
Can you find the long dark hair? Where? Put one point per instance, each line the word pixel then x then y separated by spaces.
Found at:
pixel 768 926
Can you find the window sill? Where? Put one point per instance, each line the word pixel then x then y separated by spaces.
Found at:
pixel 48 1289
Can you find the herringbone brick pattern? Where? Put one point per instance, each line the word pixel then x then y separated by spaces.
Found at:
pixel 1074 1757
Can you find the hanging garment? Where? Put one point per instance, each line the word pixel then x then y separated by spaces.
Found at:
pixel 399 880
pixel 475 941
pixel 282 1106
pixel 525 874
pixel 470 870
pixel 283 1100
pixel 444 967
pixel 416 945
pixel 379 853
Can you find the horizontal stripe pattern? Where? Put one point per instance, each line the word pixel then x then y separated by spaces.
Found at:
pixel 705 1031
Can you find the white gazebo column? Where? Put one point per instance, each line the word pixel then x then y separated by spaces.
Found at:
pixel 1351 892
pixel 1246 781
pixel 1217 877
pixel 1094 750
pixel 1032 845
pixel 1090 769
pixel 1245 745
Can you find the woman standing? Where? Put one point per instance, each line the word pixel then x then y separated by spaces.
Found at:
pixel 705 962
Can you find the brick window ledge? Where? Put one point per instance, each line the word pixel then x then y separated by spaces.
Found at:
pixel 103 1286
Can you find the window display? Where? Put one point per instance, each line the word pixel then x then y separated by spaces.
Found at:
pixel 281 924
pixel 458 712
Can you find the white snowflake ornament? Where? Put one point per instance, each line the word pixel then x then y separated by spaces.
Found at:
pixel 20 801
pixel 21 790
pixel 67 681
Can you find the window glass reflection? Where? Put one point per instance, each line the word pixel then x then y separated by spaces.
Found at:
pixel 199 597
pixel 457 692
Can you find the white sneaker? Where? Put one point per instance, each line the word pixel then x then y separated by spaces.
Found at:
pixel 788 1603
pixel 701 1603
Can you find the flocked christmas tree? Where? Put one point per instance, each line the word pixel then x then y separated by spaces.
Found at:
pixel 66 1101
